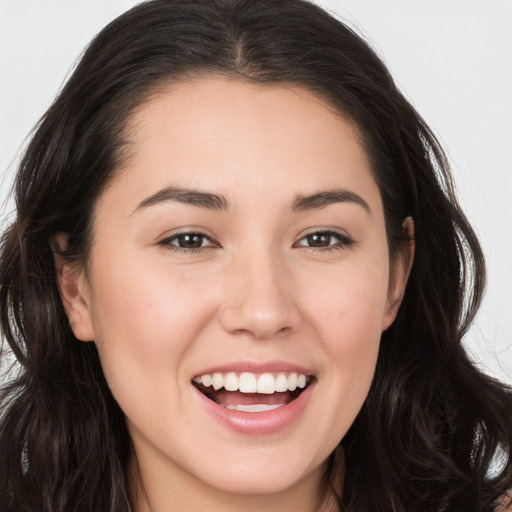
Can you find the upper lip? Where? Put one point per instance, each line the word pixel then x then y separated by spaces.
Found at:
pixel 256 367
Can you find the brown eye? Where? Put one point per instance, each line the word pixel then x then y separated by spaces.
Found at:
pixel 325 240
pixel 188 241
pixel 319 240
pixel 192 241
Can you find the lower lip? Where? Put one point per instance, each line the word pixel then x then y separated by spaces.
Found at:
pixel 257 423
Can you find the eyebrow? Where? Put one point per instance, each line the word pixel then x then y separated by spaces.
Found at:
pixel 212 201
pixel 189 196
pixel 326 198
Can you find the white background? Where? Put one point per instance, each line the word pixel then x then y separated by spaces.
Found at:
pixel 452 59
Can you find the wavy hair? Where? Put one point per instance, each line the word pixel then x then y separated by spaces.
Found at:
pixel 432 424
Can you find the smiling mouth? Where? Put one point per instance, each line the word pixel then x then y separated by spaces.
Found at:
pixel 250 392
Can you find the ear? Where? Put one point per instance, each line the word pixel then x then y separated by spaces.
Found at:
pixel 74 289
pixel 399 273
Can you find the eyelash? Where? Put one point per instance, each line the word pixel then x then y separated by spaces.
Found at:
pixel 343 242
pixel 167 242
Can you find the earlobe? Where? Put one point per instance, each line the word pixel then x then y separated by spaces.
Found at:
pixel 74 289
pixel 399 273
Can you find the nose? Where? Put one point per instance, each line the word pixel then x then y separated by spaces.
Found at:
pixel 259 299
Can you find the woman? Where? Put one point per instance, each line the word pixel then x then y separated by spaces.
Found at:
pixel 238 279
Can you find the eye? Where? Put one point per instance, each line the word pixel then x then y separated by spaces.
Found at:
pixel 325 240
pixel 188 242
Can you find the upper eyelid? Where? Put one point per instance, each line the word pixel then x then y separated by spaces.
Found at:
pixel 187 231
pixel 331 231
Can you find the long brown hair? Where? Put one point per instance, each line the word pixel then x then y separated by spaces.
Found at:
pixel 432 424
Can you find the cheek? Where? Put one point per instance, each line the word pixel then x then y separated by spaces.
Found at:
pixel 348 319
pixel 356 320
pixel 144 322
pixel 348 304
pixel 135 301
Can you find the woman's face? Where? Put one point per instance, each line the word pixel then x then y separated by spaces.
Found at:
pixel 243 246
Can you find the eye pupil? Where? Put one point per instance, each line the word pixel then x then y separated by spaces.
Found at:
pixel 319 240
pixel 190 241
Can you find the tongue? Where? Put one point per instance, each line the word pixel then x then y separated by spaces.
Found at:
pixel 236 398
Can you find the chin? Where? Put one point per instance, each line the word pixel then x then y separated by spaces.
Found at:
pixel 265 472
pixel 257 481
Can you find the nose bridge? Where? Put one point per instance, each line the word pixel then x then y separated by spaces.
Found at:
pixel 259 294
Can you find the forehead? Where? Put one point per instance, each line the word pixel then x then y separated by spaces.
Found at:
pixel 243 139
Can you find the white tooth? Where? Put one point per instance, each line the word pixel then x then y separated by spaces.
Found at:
pixel 247 383
pixel 266 384
pixel 197 380
pixel 231 382
pixel 206 380
pixel 301 381
pixel 281 383
pixel 292 382
pixel 217 380
pixel 257 407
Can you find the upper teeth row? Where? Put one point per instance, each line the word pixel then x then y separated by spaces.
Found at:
pixel 250 383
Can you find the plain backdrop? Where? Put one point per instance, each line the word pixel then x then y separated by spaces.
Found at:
pixel 451 58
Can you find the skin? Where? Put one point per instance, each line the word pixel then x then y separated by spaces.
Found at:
pixel 256 291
